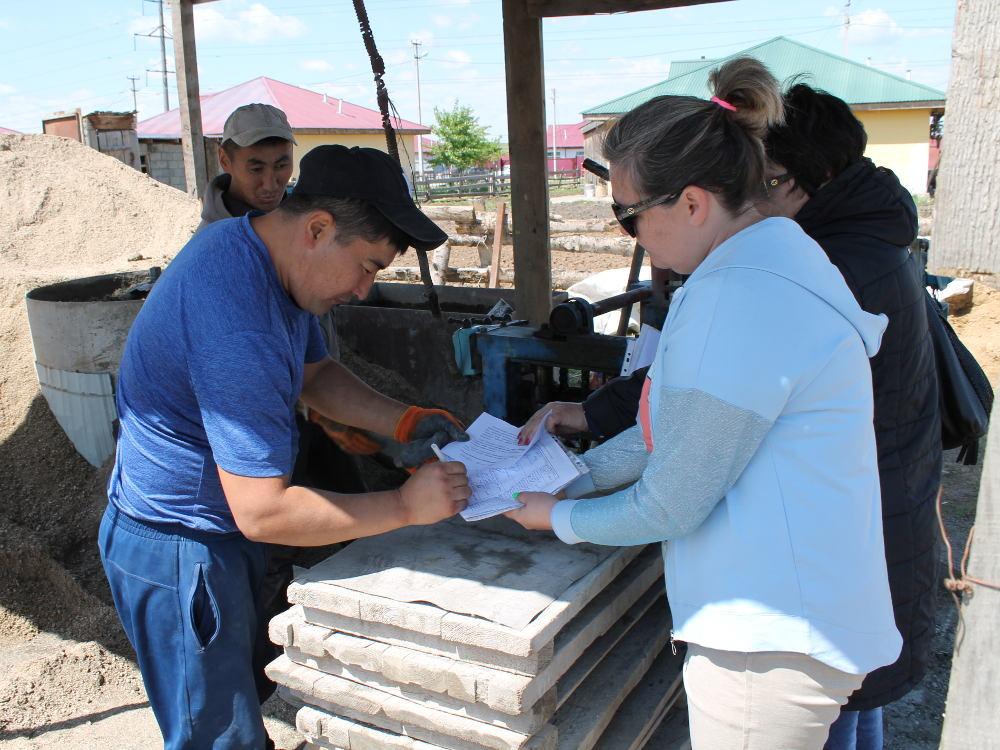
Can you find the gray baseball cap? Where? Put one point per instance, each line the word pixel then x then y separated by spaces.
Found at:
pixel 254 122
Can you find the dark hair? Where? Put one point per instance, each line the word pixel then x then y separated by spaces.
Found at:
pixel 674 141
pixel 230 147
pixel 819 139
pixel 354 217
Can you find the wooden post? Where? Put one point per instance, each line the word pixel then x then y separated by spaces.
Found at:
pixel 971 716
pixel 967 200
pixel 529 189
pixel 186 65
pixel 493 280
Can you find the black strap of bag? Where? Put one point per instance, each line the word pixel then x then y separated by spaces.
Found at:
pixel 965 393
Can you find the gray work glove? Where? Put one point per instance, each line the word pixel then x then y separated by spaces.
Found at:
pixel 418 429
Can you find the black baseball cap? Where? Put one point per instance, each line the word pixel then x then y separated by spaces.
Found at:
pixel 373 176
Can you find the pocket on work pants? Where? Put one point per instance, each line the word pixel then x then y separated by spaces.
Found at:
pixel 203 610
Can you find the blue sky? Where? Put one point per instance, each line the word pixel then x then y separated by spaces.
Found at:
pixel 63 54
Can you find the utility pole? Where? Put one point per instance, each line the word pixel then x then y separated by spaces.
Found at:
pixel 163 59
pixel 417 57
pixel 135 104
pixel 555 128
pixel 847 23
pixel 161 32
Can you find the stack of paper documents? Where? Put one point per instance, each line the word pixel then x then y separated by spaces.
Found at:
pixel 498 467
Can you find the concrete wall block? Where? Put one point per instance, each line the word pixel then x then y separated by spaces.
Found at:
pixel 508 578
pixel 328 731
pixel 350 579
pixel 582 719
pixel 371 706
pixel 327 598
pixel 529 665
pixel 498 689
pixel 432 695
pixel 404 666
pixel 417 617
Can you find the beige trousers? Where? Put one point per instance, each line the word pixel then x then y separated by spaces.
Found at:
pixel 771 700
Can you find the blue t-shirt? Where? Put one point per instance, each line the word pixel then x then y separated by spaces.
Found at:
pixel 210 376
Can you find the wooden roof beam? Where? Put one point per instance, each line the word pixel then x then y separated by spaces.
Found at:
pixel 552 8
pixel 529 186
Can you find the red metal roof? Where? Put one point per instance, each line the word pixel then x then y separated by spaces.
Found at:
pixel 306 110
pixel 567 136
pixel 8 131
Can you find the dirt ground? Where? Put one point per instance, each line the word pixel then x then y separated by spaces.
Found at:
pixel 70 680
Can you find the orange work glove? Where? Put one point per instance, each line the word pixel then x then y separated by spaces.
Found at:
pixel 349 439
pixel 418 428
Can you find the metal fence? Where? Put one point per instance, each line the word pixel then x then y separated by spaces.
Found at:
pixel 488 183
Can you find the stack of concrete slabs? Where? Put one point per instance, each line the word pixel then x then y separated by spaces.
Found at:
pixel 469 636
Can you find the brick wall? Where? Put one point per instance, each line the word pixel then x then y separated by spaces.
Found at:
pixel 164 161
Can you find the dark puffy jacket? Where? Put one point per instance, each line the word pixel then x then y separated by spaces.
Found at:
pixel 865 220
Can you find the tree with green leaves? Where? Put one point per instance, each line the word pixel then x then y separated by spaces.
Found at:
pixel 462 141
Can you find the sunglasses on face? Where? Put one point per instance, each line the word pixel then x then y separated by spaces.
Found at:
pixel 626 215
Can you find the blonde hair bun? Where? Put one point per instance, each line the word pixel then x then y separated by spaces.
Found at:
pixel 749 86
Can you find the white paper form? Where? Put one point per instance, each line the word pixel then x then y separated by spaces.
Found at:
pixel 640 352
pixel 498 467
pixel 492 444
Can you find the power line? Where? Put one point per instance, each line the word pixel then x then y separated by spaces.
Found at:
pixel 161 32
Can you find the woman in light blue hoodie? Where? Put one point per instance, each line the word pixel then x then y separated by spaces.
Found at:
pixel 754 458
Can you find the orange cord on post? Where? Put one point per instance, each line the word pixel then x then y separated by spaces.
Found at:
pixel 963 585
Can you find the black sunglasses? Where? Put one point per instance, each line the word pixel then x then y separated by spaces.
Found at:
pixel 626 215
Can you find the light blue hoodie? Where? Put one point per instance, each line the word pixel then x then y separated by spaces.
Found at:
pixel 762 480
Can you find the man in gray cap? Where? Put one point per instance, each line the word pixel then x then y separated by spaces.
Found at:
pixel 256 161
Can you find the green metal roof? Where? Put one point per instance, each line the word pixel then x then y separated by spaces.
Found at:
pixel 853 82
pixel 683 67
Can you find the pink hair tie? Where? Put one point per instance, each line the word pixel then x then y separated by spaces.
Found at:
pixel 723 103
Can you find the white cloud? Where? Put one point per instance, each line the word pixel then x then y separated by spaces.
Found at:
pixel 876 26
pixel 459 56
pixel 397 57
pixel 141 25
pixel 319 66
pixel 426 36
pixel 25 113
pixel 254 24
pixel 5 23
pixel 6 90
pixel 654 68
pixel 872 26
pixel 442 21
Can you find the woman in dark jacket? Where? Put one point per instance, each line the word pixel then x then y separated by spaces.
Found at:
pixel 865 221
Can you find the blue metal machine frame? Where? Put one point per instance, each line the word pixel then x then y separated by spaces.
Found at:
pixel 502 350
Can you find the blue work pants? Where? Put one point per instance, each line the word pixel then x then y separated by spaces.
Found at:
pixel 189 604
pixel 856 730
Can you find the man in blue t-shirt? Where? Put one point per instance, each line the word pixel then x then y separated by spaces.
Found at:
pixel 222 350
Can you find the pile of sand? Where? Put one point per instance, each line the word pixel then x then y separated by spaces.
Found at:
pixel 979 329
pixel 66 211
pixel 68 208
